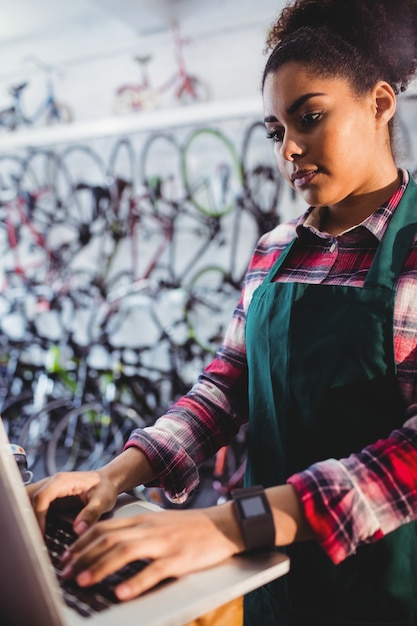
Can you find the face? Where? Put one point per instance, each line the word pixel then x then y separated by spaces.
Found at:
pixel 326 139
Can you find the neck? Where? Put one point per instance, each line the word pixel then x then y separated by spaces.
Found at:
pixel 354 210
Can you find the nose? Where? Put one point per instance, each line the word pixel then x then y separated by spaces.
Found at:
pixel 290 148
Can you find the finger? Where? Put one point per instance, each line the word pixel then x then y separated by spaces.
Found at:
pixel 101 538
pixel 61 485
pixel 88 516
pixel 103 556
pixel 33 487
pixel 91 513
pixel 153 574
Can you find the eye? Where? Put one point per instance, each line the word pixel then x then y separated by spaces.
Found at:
pixel 310 119
pixel 276 134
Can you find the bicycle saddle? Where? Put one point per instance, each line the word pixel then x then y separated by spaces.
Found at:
pixel 15 89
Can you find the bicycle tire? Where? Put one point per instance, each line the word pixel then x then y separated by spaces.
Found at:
pixel 193 90
pixel 35 429
pixel 160 172
pixel 60 113
pixel 87 451
pixel 262 181
pixel 122 161
pixel 46 179
pixel 9 118
pixel 211 171
pixel 80 159
pixel 11 168
pixel 13 413
pixel 212 298
pixel 133 98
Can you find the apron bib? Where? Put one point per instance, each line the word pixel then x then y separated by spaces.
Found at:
pixel 322 384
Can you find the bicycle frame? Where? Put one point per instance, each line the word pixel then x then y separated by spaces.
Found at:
pixel 15 218
pixel 185 81
pixel 47 104
pixel 144 95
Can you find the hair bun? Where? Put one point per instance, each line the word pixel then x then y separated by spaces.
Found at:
pixel 384 32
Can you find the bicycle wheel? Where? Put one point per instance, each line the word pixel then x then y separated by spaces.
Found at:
pixel 59 113
pixel 160 172
pixel 84 165
pixel 15 412
pixel 212 298
pixel 11 168
pixel 193 90
pixel 132 98
pixel 212 172
pixel 9 119
pixel 47 185
pixel 261 179
pixel 122 161
pixel 37 428
pixel 88 437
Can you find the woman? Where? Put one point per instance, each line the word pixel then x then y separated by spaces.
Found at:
pixel 320 355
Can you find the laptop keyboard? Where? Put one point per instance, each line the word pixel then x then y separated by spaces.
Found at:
pixel 90 600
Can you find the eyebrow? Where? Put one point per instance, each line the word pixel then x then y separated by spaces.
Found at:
pixel 295 105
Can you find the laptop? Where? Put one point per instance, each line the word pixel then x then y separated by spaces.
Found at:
pixel 30 593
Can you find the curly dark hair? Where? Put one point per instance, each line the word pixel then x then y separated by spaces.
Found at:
pixel 361 40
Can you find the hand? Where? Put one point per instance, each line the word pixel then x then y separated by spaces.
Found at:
pixel 91 490
pixel 176 542
pixel 95 491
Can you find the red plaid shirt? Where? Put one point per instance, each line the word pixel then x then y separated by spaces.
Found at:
pixel 346 501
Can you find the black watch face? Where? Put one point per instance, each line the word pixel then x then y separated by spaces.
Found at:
pixel 252 506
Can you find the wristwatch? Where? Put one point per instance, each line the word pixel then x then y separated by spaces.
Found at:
pixel 255 518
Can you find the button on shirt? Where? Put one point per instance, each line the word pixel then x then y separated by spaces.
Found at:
pixel 346 501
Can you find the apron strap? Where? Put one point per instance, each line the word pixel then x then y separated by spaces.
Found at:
pixel 393 249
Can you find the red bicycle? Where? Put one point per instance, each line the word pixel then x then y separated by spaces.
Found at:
pixel 134 97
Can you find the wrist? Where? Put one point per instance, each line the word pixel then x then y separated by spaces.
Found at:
pixel 255 518
pixel 128 470
pixel 224 517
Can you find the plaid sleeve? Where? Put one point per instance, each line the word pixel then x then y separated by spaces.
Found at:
pixel 207 417
pixel 363 497
pixel 200 422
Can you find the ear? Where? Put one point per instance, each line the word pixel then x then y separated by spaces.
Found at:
pixel 385 102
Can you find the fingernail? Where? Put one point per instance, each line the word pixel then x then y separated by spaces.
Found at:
pixel 80 527
pixel 123 592
pixel 67 572
pixel 66 556
pixel 84 578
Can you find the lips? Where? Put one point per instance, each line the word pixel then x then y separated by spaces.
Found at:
pixel 302 178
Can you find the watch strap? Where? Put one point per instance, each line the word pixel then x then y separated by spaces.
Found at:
pixel 255 518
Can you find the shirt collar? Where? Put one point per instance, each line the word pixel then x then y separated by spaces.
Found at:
pixel 376 223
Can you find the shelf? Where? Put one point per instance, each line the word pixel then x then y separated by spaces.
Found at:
pixel 206 112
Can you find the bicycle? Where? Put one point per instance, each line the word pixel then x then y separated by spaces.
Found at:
pixel 161 173
pixel 131 98
pixel 93 432
pixel 262 182
pixel 23 247
pixel 211 171
pixel 86 420
pixel 50 109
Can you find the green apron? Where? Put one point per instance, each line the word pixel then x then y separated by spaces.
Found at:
pixel 322 384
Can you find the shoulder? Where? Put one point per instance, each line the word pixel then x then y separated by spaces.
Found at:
pixel 267 251
pixel 272 243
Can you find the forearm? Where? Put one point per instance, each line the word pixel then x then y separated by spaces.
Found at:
pixel 192 431
pixel 129 469
pixel 290 522
pixel 362 498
